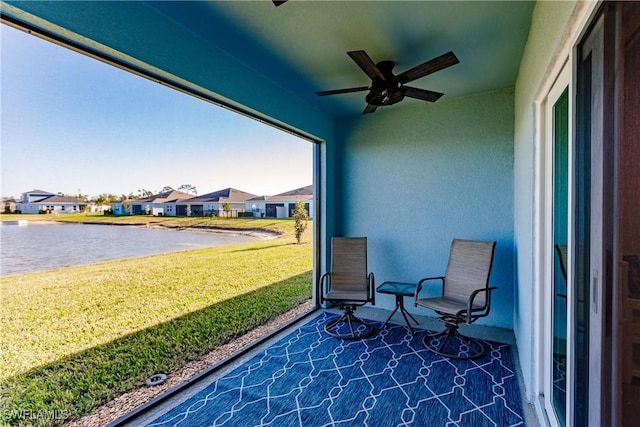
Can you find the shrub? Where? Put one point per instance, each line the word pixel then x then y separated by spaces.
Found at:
pixel 300 217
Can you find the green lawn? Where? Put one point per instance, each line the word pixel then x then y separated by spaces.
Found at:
pixel 74 338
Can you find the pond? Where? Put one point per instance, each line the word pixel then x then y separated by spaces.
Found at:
pixel 43 246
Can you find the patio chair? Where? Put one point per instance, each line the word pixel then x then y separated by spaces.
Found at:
pixel 349 286
pixel 561 250
pixel 466 297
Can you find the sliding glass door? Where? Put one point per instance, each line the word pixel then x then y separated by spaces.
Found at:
pixel 590 248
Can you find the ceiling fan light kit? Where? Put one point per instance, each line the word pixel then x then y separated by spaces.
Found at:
pixel 387 88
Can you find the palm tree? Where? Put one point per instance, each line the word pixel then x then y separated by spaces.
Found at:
pixel 145 193
pixel 100 200
pixel 188 188
pixel 111 198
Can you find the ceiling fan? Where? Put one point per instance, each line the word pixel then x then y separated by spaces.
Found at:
pixel 387 88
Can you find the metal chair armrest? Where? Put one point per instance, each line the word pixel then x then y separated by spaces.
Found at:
pixel 419 287
pixel 322 284
pixel 372 288
pixel 487 302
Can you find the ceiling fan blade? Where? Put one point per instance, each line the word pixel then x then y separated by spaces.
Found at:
pixel 436 64
pixel 370 108
pixel 423 94
pixel 367 65
pixel 339 91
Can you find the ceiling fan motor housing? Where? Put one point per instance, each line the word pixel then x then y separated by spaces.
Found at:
pixel 387 91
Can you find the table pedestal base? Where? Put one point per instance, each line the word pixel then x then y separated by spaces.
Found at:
pixel 405 313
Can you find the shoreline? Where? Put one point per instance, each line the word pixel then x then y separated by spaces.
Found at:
pixel 261 234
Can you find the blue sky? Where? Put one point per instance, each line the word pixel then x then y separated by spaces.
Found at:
pixel 73 124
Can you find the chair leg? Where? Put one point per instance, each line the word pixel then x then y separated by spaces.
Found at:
pixel 349 318
pixel 464 347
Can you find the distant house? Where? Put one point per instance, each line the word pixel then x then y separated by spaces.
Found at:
pixel 281 205
pixel 160 204
pixel 38 201
pixel 120 208
pixel 8 205
pixel 214 203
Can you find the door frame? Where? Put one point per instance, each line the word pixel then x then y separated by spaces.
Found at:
pixel 546 252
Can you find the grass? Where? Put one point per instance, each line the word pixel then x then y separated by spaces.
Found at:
pixel 76 337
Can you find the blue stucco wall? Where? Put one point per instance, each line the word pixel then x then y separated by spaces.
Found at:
pixel 414 177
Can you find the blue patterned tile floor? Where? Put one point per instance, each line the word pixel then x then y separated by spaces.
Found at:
pixel 303 377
